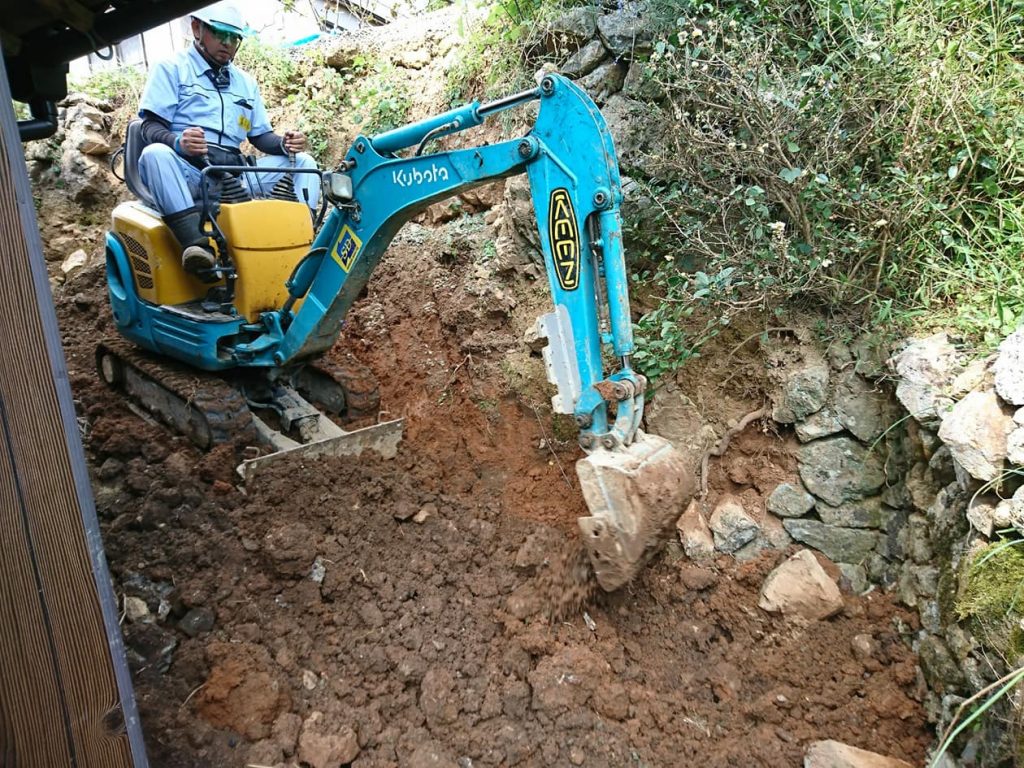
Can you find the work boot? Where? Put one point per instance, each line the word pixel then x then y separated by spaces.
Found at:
pixel 196 257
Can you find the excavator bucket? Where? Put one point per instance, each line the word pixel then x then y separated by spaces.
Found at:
pixel 634 495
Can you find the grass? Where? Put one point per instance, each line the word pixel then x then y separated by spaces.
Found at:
pixel 865 154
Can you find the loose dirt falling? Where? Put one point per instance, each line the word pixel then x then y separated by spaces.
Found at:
pixel 474 635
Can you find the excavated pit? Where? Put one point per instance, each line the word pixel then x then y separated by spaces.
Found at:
pixel 435 609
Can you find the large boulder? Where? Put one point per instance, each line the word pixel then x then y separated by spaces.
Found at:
pixel 732 525
pixel 694 533
pixel 863 513
pixel 839 469
pixel 800 587
pixel 802 392
pixel 1009 368
pixel 860 407
pixel 976 432
pixel 604 81
pixel 585 60
pixel 573 29
pixel 626 32
pixel 841 545
pixel 926 367
pixel 789 500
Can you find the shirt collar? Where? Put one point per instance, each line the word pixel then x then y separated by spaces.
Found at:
pixel 199 64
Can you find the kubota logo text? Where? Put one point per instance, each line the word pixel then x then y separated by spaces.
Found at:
pixel 415 177
pixel 565 239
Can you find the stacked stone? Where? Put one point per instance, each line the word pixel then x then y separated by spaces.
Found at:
pixel 846 503
pixel 79 152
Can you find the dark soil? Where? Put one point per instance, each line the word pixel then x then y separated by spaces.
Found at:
pixel 460 639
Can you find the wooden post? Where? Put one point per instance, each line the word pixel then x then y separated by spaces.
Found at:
pixel 65 693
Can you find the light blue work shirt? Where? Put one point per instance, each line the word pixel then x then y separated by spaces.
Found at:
pixel 181 91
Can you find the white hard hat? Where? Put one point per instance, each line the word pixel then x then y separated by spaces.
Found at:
pixel 224 17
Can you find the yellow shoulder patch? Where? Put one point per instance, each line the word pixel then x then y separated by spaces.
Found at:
pixel 244 122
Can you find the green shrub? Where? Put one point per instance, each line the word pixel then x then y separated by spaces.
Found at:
pixel 841 153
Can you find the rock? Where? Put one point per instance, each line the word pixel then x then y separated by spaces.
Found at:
pixel 731 525
pixel 800 587
pixel 841 545
pixel 870 353
pixel 415 58
pixel 604 81
pixel 672 415
pixel 773 533
pixel 135 609
pixel 788 500
pixel 1018 417
pixel 976 432
pixel 864 513
pixel 803 391
pixel 438 700
pixel 640 85
pixel 1015 447
pixel 626 32
pixel 926 367
pixel 982 514
pixel 921 486
pixel 426 512
pixel 635 138
pixel 87 178
pixel 940 669
pixel 971 378
pixel 287 548
pixel 860 407
pixel 863 646
pixel 839 469
pixel 404 510
pixel 942 466
pixel 585 60
pixel 74 262
pixel 1009 368
pixel 573 29
pixel 326 745
pixel 149 646
pixel 90 142
pixel 834 754
pixel 821 424
pixel 1012 510
pixel 694 533
pixel 856 576
pixel 196 622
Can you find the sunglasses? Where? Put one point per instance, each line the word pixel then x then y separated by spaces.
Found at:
pixel 227 38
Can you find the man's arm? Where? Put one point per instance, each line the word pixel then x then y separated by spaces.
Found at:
pixel 269 143
pixel 156 130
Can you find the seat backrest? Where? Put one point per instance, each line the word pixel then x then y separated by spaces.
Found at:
pixel 133 145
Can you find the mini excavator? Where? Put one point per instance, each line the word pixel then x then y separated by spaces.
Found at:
pixel 238 356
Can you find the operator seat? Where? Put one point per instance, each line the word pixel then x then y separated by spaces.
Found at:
pixel 133 145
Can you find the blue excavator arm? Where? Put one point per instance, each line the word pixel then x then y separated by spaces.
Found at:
pixel 633 483
pixel 570 161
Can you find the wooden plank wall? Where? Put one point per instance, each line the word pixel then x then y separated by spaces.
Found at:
pixel 65 693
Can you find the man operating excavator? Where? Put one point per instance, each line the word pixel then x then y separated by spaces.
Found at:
pixel 197 108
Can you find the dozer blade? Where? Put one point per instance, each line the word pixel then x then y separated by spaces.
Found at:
pixel 381 438
pixel 634 494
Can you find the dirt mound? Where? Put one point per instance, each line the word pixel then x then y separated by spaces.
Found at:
pixel 399 612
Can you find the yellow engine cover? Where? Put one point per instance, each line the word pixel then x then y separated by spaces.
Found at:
pixel 266 239
pixel 155 256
